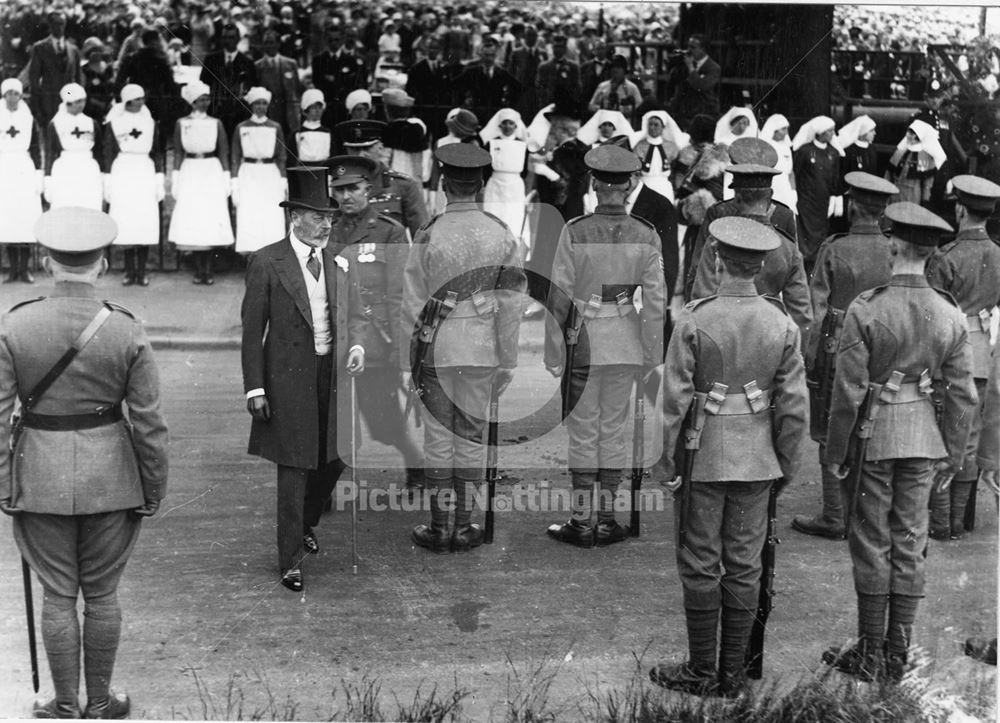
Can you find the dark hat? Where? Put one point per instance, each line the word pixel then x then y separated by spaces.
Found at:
pixel 348 170
pixel 462 161
pixel 751 175
pixel 976 193
pixel 611 163
pixel 743 238
pixel 869 189
pixel 915 224
pixel 308 188
pixel 75 236
pixel 753 150
pixel 619 61
pixel 359 133
pixel 463 124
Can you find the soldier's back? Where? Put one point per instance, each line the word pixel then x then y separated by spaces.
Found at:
pixel 857 263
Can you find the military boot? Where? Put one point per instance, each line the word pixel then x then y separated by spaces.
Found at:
pixel 114 706
pixel 437 536
pixel 829 523
pixel 465 537
pixel 940 522
pixel 686 677
pixel 863 660
pixel 982 650
pixel 961 490
pixel 578 530
pixel 608 531
pixel 55 709
pixel 128 278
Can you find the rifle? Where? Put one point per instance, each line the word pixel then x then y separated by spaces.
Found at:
pixel 491 462
pixel 638 451
pixel 754 660
pixel 694 424
pixel 823 372
pixel 29 608
pixel 572 332
pixel 431 316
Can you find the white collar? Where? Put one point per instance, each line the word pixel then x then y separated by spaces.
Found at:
pixel 259 120
pixel 199 114
pixel 630 200
pixel 699 63
pixel 819 145
pixel 861 144
pixel 311 124
pixel 302 249
pixel 658 141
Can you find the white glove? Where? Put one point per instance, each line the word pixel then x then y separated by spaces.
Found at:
pixel 161 190
pixel 175 183
pixel 545 171
pixel 234 191
pixel 47 189
pixel 106 180
pixel 838 206
pixel 39 182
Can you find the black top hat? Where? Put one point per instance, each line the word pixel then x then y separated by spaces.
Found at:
pixel 308 187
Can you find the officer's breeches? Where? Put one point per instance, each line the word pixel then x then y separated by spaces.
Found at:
pixel 596 425
pixel 888 533
pixel 456 401
pixel 720 561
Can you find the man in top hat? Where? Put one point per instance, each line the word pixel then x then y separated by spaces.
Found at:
pixel 376 247
pixel 969 269
pixel 897 339
pixel 80 478
pixel 782 275
pixel 303 327
pixel 393 193
pixel 618 92
pixel 468 261
pixel 604 262
pixel 846 265
pixel 736 356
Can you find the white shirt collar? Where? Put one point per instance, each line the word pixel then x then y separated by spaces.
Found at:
pixel 311 124
pixel 630 201
pixel 302 249
pixel 699 63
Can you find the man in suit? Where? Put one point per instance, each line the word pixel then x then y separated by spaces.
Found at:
pixel 655 208
pixel 596 70
pixel 524 63
pixel 337 71
pixel 54 62
pixel 83 477
pixel 229 74
pixel 280 75
pixel 302 326
pixel 698 90
pixel 485 87
pixel 557 76
pixel 431 83
pixel 148 68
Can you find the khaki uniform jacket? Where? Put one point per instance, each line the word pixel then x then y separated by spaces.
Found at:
pixel 114 467
pixel 465 250
pixel 908 327
pixel 735 338
pixel 968 268
pixel 603 254
pixel 845 266
pixel 401 198
pixel 376 247
pixel 988 455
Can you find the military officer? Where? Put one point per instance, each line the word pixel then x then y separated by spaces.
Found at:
pixel 464 280
pixel 895 340
pixel 80 478
pixel 783 275
pixel 969 269
pixel 375 246
pixel 734 355
pixel 846 265
pixel 743 151
pixel 603 263
pixel 392 193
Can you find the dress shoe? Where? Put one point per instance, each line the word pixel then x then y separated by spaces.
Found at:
pixel 111 707
pixel 982 649
pixel 573 532
pixel 55 709
pixel 685 677
pixel 866 666
pixel 608 533
pixel 292 579
pixel 198 279
pixel 142 280
pixel 209 279
pixel 818 526
pixel 939 533
pixel 732 684
pixel 27 277
pixel 466 537
pixel 435 539
pixel 309 542
pixel 128 280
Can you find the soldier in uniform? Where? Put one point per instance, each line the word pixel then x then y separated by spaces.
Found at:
pixel 783 275
pixel 896 339
pixel 392 193
pixel 464 276
pixel 846 265
pixel 735 355
pixel 602 261
pixel 376 248
pixel 80 478
pixel 969 269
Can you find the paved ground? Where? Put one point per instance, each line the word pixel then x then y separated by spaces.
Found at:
pixel 201 601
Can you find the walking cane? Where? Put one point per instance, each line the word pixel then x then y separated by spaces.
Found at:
pixel 354 476
pixel 491 462
pixel 29 608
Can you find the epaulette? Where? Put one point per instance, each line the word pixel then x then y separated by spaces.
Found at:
pixel 947 247
pixel 577 218
pixel 396 174
pixel 643 221
pixel 947 296
pixel 118 307
pixel 25 303
pixel 834 236
pixel 870 294
pixel 426 225
pixel 383 215
pixel 776 301
pixel 695 303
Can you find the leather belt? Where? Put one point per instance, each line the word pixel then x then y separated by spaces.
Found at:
pixel 908 392
pixel 598 308
pixel 258 160
pixel 199 155
pixel 978 323
pixel 739 404
pixel 73 422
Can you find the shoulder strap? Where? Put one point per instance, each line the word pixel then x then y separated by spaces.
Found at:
pixel 64 361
